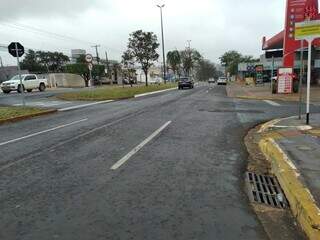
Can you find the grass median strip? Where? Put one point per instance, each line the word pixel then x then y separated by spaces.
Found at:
pixel 113 93
pixel 12 113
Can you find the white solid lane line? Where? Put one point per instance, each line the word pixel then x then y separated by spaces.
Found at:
pixel 83 106
pixel 137 148
pixel 42 132
pixel 272 103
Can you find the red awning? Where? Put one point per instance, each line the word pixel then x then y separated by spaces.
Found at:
pixel 275 42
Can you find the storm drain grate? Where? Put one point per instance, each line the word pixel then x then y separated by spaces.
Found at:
pixel 265 190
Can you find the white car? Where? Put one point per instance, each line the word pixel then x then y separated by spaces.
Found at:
pixel 29 83
pixel 211 80
pixel 222 81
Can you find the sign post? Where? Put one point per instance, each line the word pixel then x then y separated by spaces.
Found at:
pixel 300 80
pixel 17 50
pixel 308 30
pixel 309 81
pixel 89 60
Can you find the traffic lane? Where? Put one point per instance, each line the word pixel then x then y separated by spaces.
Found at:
pixel 55 130
pixel 49 186
pixel 89 180
pixel 98 114
pixel 252 112
pixel 185 185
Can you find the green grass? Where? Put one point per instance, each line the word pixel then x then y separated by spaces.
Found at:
pixel 113 93
pixel 7 113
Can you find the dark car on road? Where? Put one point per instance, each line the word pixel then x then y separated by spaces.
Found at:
pixel 185 83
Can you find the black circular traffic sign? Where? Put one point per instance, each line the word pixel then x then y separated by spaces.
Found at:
pixel 13 47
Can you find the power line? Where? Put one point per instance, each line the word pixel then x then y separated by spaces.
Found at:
pixel 32 29
pixel 46 33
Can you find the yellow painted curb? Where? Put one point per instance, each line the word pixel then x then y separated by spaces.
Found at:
pixel 301 201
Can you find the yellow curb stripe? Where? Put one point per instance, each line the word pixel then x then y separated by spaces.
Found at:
pixel 301 201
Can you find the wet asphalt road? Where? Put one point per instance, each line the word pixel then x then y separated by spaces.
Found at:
pixel 186 183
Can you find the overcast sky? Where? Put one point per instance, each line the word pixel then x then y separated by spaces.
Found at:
pixel 214 26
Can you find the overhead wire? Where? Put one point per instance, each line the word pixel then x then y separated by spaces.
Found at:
pixel 34 30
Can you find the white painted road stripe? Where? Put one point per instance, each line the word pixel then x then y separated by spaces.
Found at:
pixel 151 93
pixel 42 132
pixel 272 103
pixel 83 106
pixel 137 148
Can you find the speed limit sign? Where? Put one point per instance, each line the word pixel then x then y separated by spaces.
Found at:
pixel 89 58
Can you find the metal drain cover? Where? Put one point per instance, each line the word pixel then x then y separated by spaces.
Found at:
pixel 265 190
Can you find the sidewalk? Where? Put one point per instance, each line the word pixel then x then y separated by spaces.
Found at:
pixel 263 92
pixel 294 152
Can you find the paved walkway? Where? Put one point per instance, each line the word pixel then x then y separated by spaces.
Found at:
pixel 302 145
pixel 263 92
pixel 293 149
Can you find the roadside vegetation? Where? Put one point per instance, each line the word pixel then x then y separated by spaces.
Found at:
pixel 8 113
pixel 113 93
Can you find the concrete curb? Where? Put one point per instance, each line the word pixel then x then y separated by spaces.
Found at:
pixel 302 203
pixel 266 98
pixel 16 119
pixel 84 105
pixel 151 93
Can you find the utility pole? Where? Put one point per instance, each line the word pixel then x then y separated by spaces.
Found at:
pixel 109 74
pixel 189 52
pixel 163 51
pixel 1 62
pixel 97 53
pixel 189 44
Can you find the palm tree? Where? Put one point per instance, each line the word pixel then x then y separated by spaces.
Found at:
pixel 174 61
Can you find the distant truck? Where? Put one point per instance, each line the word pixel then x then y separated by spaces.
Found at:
pixel 29 83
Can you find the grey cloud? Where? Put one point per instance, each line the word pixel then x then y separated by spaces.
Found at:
pixel 10 9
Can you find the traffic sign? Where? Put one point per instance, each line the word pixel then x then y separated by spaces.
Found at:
pixel 16 49
pixel 307 30
pixel 89 58
pixel 274 54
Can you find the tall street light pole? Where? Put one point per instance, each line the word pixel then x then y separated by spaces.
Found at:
pixel 163 52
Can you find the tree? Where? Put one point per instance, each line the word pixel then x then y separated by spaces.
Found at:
pixel 189 57
pixel 174 61
pixel 249 59
pixel 81 59
pixel 142 48
pixel 82 70
pixel 31 63
pixel 206 70
pixel 230 60
pixel 52 61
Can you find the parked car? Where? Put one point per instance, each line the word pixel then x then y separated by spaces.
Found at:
pixel 222 81
pixel 211 80
pixel 185 82
pixel 29 83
